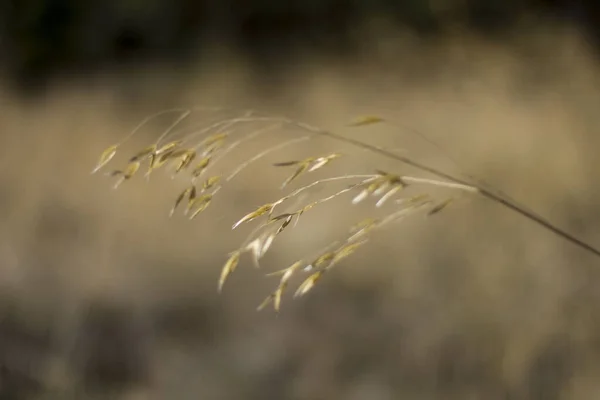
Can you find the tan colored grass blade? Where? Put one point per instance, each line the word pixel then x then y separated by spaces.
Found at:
pixel 229 268
pixel 105 157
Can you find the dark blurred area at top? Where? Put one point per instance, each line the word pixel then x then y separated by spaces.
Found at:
pixel 40 39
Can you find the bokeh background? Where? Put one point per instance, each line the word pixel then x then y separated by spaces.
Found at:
pixel 103 296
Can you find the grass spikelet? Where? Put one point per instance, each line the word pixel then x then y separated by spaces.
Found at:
pixel 131 169
pixel 200 204
pixel 211 182
pixel 229 268
pixel 185 160
pixel 105 157
pixel 303 167
pixel 345 251
pixel 260 211
pixel 200 167
pixel 126 174
pixel 167 147
pixel 268 300
pixel 309 283
pixel 189 192
pixel 287 273
pixel 321 262
pixel 159 159
pixel 213 143
pixel 320 162
pixel 143 153
pixel 362 228
pixel 309 164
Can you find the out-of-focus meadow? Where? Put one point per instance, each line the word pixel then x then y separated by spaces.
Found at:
pixel 103 296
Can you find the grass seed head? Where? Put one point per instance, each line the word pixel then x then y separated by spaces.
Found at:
pixel 309 283
pixel 201 167
pixel 167 147
pixel 229 268
pixel 143 153
pixel 105 157
pixel 211 182
pixel 260 211
pixel 200 204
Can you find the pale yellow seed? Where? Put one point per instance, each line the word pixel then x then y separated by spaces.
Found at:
pixel 190 190
pixel 262 210
pixel 144 153
pixel 185 160
pixel 303 167
pixel 229 268
pixel 211 182
pixel 216 138
pixel 168 147
pixel 201 204
pixel 308 284
pixel 131 169
pixel 265 302
pixel 345 251
pixel 323 161
pixel 267 242
pixel 277 297
pixel 200 167
pixel 105 157
pixel 287 273
pixel 286 222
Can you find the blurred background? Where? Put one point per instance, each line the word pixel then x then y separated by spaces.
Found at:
pixel 103 296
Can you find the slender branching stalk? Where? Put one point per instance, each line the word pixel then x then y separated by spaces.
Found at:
pixel 193 152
